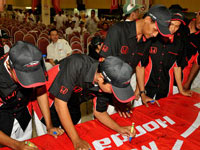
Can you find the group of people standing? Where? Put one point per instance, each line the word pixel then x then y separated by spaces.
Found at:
pixel 159 48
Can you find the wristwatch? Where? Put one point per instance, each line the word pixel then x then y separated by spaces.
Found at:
pixel 141 92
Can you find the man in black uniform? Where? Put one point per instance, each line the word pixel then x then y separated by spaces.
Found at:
pixel 166 59
pixel 21 78
pixel 129 40
pixel 193 51
pixel 76 77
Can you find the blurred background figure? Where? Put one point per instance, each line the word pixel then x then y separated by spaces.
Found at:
pixel 95 47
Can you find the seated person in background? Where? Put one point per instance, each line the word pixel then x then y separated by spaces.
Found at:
pixel 22 80
pixel 4 48
pixel 58 48
pixel 75 79
pixel 81 29
pixel 95 47
pixel 165 61
pixel 71 28
pixel 104 30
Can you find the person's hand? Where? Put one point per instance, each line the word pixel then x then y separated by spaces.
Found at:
pixel 126 131
pixel 23 146
pixel 55 131
pixel 146 99
pixel 123 109
pixel 186 93
pixel 80 144
pixel 186 86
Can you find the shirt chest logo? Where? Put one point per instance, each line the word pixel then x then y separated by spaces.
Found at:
pixel 124 49
pixel 153 50
pixel 77 89
pixel 63 90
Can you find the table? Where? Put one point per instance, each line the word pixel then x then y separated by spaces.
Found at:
pixel 173 126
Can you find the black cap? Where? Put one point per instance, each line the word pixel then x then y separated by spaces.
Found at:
pixel 97 40
pixel 177 15
pixel 177 6
pixel 3 35
pixel 26 61
pixel 161 15
pixel 118 74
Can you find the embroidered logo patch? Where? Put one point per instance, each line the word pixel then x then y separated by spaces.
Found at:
pixel 124 49
pixel 63 90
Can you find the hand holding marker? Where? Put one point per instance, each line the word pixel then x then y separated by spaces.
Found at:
pixel 132 128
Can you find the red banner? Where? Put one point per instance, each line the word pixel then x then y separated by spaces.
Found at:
pixel 35 4
pixel 56 5
pixel 114 4
pixel 173 126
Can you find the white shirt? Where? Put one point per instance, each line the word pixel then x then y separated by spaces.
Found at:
pixel 92 25
pixel 79 29
pixel 32 18
pixel 21 17
pixel 69 30
pixel 60 20
pixel 6 48
pixel 77 21
pixel 58 50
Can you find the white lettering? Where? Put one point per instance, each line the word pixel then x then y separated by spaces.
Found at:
pixel 169 120
pixel 102 144
pixel 117 140
pixel 153 126
pixel 140 130
pixel 152 146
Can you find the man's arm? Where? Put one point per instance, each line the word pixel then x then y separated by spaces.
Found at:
pixel 193 73
pixel 14 144
pixel 105 119
pixel 177 73
pixel 43 102
pixel 66 121
pixel 140 71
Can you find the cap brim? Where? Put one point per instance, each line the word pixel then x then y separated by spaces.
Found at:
pixel 176 19
pixel 163 30
pixel 31 79
pixel 123 95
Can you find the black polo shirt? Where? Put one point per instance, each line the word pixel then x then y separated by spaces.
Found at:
pixel 13 101
pixel 121 41
pixel 164 56
pixel 73 81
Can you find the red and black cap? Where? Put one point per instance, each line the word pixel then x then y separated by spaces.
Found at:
pixel 26 61
pixel 161 15
pixel 177 15
pixel 118 74
pixel 177 6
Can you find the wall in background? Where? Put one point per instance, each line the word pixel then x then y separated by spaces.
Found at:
pixel 192 5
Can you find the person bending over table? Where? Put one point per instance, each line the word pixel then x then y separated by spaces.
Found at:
pixel 79 76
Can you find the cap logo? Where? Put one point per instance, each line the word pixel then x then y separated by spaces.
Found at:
pixel 178 14
pixel 105 75
pixel 130 6
pixel 154 17
pixel 32 64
